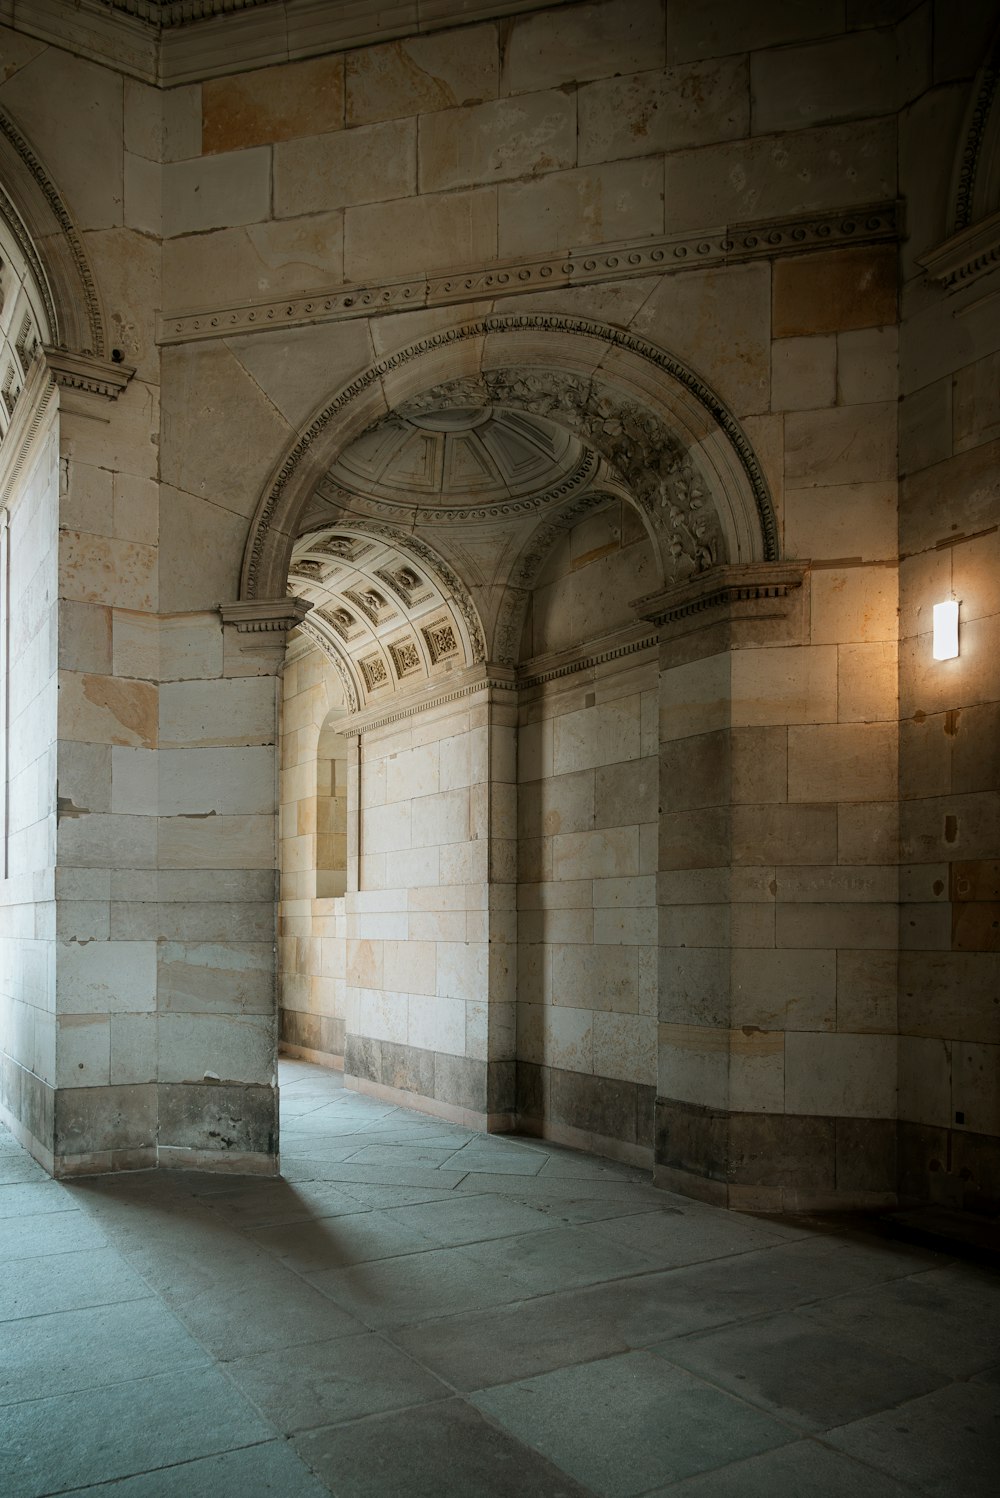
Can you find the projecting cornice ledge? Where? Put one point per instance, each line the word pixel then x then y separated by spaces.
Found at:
pixel 87 373
pixel 754 589
pixel 694 251
pixel 966 256
pixel 265 615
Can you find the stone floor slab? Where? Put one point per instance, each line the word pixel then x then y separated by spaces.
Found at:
pixel 123 1429
pixel 110 1344
pixel 948 1317
pixel 67 1282
pixel 429 1452
pixel 626 1424
pixel 271 1470
pixel 326 1383
pixel 803 1470
pixel 803 1373
pixel 946 1444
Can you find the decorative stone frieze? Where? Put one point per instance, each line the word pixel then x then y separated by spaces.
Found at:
pixel 618 262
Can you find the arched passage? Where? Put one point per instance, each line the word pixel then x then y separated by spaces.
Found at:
pixel 510 486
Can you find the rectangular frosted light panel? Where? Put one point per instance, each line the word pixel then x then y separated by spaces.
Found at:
pixel 945 630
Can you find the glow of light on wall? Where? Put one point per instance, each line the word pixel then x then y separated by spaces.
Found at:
pixel 946 630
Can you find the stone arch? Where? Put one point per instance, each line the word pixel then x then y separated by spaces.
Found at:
pixel 37 219
pixel 976 180
pixel 660 429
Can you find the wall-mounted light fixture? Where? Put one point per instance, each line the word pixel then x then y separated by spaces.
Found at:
pixel 946 630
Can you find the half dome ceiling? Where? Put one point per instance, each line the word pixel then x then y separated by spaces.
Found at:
pixel 455 466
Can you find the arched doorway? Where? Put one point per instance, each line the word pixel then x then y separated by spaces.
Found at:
pixel 472 521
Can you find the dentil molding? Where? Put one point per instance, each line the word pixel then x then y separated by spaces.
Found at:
pixel 715 247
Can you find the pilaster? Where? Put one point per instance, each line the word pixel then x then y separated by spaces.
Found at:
pixel 763 1101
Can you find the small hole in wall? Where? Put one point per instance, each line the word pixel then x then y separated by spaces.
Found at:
pixel 589 700
pixel 959 1117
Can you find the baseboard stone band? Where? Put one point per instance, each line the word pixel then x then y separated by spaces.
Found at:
pixel 756 1162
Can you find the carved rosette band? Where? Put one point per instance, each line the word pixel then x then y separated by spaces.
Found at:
pixel 862 225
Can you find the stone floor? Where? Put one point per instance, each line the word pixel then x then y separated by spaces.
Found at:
pixel 416 1310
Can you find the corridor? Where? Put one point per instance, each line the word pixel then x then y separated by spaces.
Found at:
pixel 418 1310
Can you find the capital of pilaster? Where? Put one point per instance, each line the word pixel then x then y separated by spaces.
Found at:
pixel 265 615
pixel 86 373
pixel 750 590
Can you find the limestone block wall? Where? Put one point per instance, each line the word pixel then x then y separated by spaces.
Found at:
pixel 949 764
pixel 586 124
pixel 587 813
pixel 778 882
pixel 312 949
pixel 431 923
pixel 28 913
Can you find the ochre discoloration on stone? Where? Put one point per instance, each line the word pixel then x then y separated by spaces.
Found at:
pixel 131 704
pixel 828 293
pixel 279 103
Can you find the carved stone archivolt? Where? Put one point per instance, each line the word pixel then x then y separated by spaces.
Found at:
pixel 662 435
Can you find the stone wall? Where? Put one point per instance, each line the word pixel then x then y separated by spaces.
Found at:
pixel 312 949
pixel 716 178
pixel 29 698
pixel 432 920
pixel 949 769
pixel 587 813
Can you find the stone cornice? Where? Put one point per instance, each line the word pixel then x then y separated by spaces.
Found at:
pixel 721 589
pixel 87 373
pixel 966 256
pixel 513 277
pixel 265 615
pixel 168 42
pixel 632 640
pixel 405 704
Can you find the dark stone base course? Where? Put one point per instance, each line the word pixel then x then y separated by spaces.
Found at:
pixel 605 1106
pixel 950 1167
pixel 808 1157
pixel 230 1118
pixel 479 1086
pixel 28 1099
pixel 313 1032
pixel 75 1123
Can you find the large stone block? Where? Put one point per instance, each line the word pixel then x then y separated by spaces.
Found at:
pixel 273 104
pixel 595 41
pixel 421 74
pixel 214 192
pixel 414 235
pixel 842 762
pixel 653 111
pixel 591 205
pixel 520 137
pixel 712 28
pixel 367 165
pixel 835 290
pixel 844 78
pixel 846 1076
pixel 843 445
pixel 812 170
